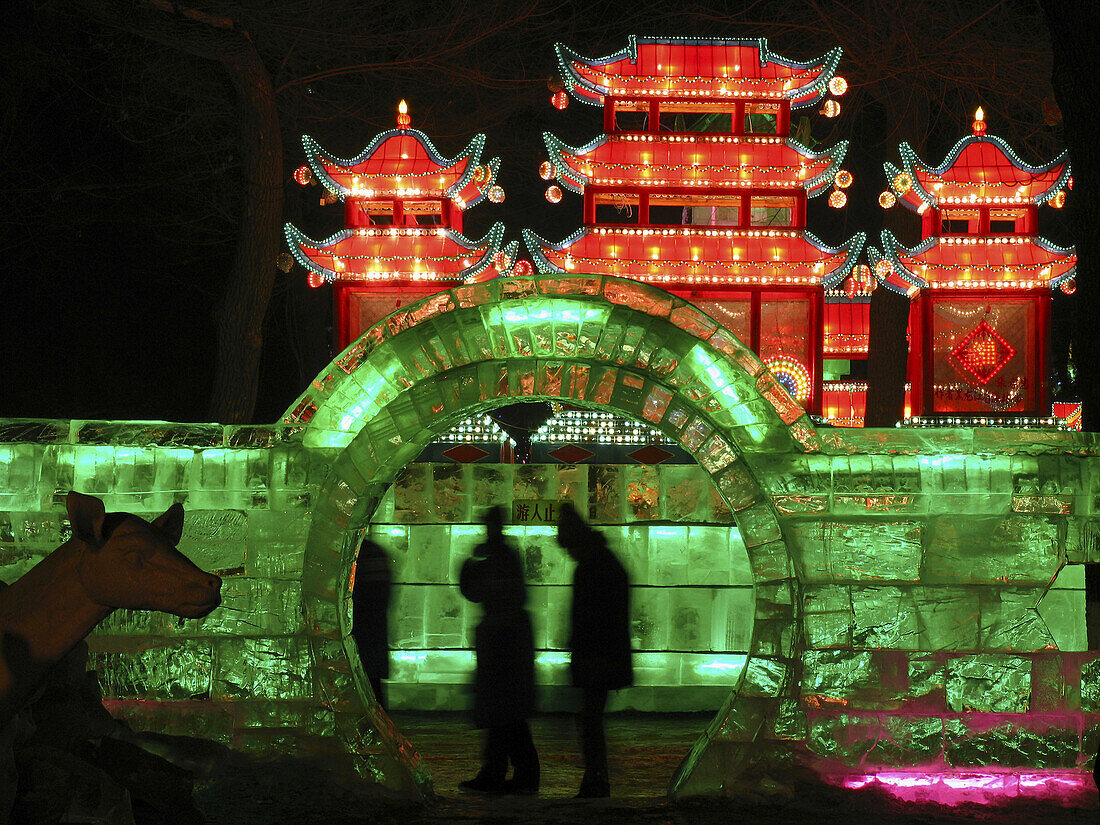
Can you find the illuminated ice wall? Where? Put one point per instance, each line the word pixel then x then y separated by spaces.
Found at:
pixel 692 587
pixel 904 626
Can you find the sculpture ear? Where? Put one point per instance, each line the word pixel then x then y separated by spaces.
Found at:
pixel 86 517
pixel 171 523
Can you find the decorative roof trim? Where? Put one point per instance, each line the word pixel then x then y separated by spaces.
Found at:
pixel 296 239
pixel 911 163
pixel 798 96
pixel 473 151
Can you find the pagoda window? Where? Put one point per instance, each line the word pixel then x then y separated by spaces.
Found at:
pixel 960 221
pixel 761 118
pixel 1008 221
pixel 714 214
pixel 631 121
pixel 771 210
pixel 616 207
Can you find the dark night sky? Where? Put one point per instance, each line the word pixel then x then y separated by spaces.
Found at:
pixel 118 193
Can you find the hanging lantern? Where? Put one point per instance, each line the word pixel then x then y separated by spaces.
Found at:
pixel 501 261
pixel 481 174
pixel 496 194
pixel 284 261
pixel 559 99
pixel 547 170
pixel 838 85
pixel 903 182
pixel 979 122
pixel 1068 287
pixel 887 199
pixel 850 286
pixel 329 198
pixel 837 199
pixel 523 269
pixel 831 108
pixel 883 268
pixel 553 193
pixel 554 84
pixel 314 279
pixel 403 119
pixel 1059 200
pixel 303 175
pixel 843 179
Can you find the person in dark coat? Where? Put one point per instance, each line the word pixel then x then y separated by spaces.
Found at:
pixel 504 682
pixel 370 599
pixel 599 641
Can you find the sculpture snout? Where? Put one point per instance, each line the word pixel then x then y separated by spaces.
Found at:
pixel 202 596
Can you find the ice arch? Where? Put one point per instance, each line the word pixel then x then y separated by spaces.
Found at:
pixel 597 342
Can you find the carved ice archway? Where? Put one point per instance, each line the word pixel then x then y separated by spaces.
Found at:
pixel 598 342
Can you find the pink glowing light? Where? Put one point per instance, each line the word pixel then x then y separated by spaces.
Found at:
pixel 990 788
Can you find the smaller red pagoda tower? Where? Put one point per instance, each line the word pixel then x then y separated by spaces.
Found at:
pixel 980 281
pixel 403 207
pixel 698 185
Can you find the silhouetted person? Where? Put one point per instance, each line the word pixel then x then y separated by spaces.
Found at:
pixel 370 600
pixel 504 682
pixel 599 640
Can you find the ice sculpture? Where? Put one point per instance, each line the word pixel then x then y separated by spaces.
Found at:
pixel 900 630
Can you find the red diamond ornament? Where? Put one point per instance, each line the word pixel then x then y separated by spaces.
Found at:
pixel 649 454
pixel 465 453
pixel 570 454
pixel 983 353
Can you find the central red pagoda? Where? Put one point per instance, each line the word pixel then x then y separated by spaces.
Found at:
pixel 981 279
pixel 698 185
pixel 403 207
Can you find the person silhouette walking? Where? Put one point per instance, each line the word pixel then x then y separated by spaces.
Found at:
pixel 504 680
pixel 599 641
pixel 370 599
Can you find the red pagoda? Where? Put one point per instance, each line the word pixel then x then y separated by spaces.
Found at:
pixel 698 185
pixel 403 206
pixel 980 281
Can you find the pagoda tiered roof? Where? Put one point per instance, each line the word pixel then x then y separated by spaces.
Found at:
pixel 702 162
pixel 699 255
pixel 404 163
pixel 703 69
pixel 977 262
pixel 396 253
pixel 979 170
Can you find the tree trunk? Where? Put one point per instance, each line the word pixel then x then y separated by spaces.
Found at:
pixel 888 345
pixel 1076 62
pixel 241 310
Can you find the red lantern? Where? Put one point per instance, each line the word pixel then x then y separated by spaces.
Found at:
pixel 303 175
pixel 523 269
pixel 1068 287
pixel 559 99
pixel 315 280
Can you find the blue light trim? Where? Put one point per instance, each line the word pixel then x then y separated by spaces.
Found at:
pixel 800 98
pixel 473 150
pixel 296 239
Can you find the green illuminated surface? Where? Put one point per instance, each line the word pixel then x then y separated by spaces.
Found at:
pixel 692 598
pixel 901 615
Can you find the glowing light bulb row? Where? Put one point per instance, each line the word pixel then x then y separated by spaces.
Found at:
pixel 985 240
pixel 747 183
pixel 924 422
pixel 673 138
pixel 404 232
pixel 698 232
pixel 680 91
